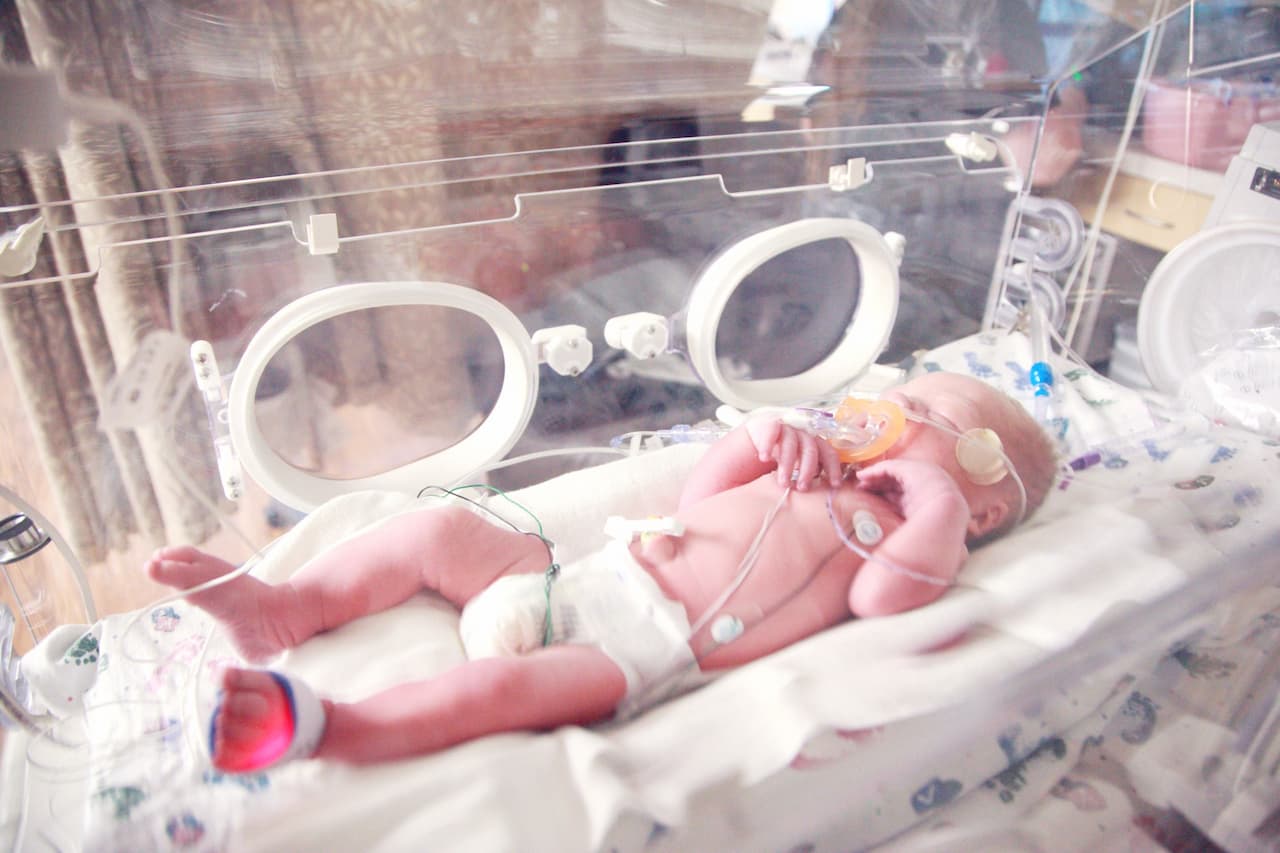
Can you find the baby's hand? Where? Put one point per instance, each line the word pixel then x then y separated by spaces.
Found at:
pixel 911 484
pixel 794 451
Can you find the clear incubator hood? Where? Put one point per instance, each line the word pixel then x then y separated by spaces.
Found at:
pixel 259 256
pixel 667 206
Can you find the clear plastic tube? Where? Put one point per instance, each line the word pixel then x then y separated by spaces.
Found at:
pixel 530 457
pixel 702 433
pixel 869 555
pixel 1041 372
pixel 748 563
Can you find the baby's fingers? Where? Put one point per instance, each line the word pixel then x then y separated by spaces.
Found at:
pixel 809 463
pixel 880 476
pixel 830 463
pixel 787 450
pixel 875 471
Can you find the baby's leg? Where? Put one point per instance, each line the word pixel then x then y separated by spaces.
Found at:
pixel 559 685
pixel 443 548
pixel 258 617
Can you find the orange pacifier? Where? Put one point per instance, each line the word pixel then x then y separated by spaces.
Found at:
pixel 865 429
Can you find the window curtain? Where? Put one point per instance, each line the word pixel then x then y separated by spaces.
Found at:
pixel 312 88
pixel 61 346
pixel 309 88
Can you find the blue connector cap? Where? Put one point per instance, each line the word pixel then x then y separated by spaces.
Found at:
pixel 1041 376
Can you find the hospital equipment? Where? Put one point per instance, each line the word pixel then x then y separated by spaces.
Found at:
pixel 1182 314
pixel 294 265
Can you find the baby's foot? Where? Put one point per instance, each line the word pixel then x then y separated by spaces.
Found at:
pixel 249 609
pixel 253 724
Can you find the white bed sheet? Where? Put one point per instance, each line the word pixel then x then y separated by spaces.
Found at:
pixel 844 740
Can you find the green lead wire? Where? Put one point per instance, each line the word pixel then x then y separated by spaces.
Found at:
pixel 553 571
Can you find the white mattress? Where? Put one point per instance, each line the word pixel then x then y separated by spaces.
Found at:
pixel 847 739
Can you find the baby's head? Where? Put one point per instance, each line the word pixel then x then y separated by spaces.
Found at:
pixel 961 403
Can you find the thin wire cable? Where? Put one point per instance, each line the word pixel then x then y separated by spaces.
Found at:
pixel 1004 457
pixel 193 490
pixel 872 556
pixel 552 572
pixel 745 566
pixel 241 570
pixel 594 153
pixel 452 491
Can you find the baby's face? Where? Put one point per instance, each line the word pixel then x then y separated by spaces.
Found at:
pixel 955 402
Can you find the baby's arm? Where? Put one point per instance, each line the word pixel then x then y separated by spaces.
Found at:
pixel 930 541
pixel 755 448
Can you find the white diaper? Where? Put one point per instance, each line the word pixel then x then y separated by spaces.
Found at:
pixel 604 600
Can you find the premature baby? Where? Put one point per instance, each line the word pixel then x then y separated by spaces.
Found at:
pixel 926 504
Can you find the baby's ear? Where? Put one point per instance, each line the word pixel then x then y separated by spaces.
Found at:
pixel 988 518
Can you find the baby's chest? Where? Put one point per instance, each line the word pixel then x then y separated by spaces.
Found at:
pixel 815 546
pixel 769 548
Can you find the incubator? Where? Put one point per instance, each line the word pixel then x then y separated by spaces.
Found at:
pixel 272 272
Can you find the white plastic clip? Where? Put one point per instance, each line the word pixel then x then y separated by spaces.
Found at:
pixel 643 334
pixel 973 146
pixel 18 247
pixel 206 367
pixel 565 349
pixel 209 381
pixel 228 469
pixel 626 529
pixel 896 243
pixel 854 173
pixel 322 234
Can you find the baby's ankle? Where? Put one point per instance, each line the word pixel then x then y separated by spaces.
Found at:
pixel 289 617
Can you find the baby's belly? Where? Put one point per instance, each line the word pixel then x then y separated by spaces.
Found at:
pixel 797 583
